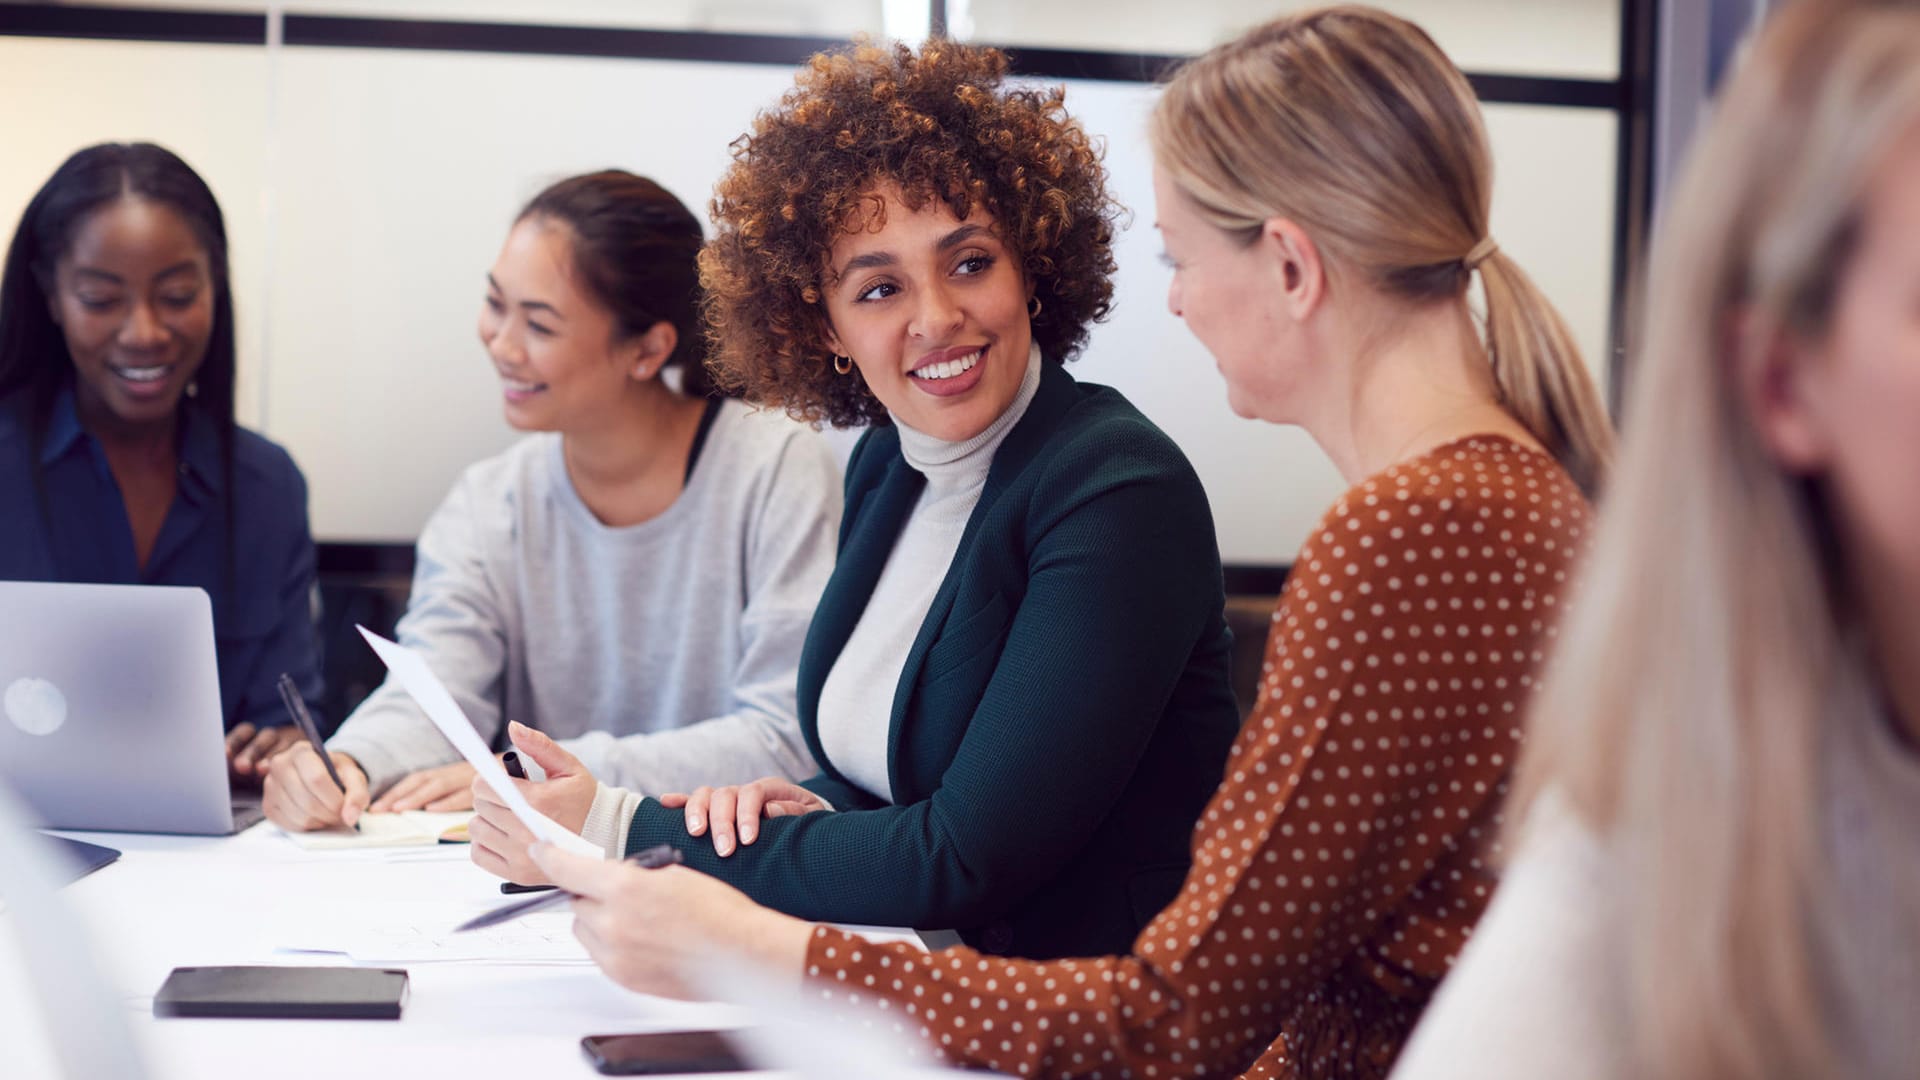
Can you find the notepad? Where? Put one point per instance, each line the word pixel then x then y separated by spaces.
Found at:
pixel 408 828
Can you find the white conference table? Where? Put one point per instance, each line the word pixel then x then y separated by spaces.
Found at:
pixel 184 901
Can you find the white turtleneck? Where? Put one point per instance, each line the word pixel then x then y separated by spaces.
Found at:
pixel 856 703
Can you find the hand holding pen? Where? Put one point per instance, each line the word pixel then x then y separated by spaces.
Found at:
pixel 500 838
pixel 298 794
pixel 510 761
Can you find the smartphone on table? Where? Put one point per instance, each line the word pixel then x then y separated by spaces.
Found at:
pixel 662 1053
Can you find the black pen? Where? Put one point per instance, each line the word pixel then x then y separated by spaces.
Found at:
pixel 511 761
pixel 652 858
pixel 302 719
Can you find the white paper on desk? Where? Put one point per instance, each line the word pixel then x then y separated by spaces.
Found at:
pixel 415 934
pixel 427 689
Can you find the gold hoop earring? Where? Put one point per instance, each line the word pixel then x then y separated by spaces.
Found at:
pixel 1033 307
pixel 843 364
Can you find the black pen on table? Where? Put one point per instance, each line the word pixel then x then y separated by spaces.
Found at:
pixel 302 719
pixel 511 761
pixel 652 858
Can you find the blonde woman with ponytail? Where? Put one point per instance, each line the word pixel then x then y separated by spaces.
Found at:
pixel 1718 876
pixel 1323 192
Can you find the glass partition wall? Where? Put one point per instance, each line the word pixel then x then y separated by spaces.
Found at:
pixel 370 154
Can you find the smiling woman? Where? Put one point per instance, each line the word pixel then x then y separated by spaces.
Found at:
pixel 933 312
pixel 712 524
pixel 117 434
pixel 1016 682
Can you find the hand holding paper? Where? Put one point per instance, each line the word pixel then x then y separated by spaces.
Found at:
pixel 431 694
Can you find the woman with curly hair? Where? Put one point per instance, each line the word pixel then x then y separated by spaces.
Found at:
pixel 1323 193
pixel 1323 187
pixel 1016 681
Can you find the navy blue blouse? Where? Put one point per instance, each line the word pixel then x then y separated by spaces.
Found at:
pixel 262 610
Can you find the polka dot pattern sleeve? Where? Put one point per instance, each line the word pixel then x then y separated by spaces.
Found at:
pixel 1346 854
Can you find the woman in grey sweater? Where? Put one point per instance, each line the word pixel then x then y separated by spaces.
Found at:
pixel 636 578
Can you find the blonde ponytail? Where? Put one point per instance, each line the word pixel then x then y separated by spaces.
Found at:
pixel 1538 369
pixel 1354 124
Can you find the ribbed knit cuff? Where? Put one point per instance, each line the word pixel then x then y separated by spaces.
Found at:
pixel 608 819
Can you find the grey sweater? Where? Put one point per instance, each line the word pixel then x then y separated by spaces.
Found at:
pixel 663 654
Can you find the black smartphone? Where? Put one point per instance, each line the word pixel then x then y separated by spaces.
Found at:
pixel 662 1052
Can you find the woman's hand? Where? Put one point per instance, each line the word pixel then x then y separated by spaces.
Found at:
pixel 500 841
pixel 646 927
pixel 249 749
pixel 738 810
pixel 448 787
pixel 300 795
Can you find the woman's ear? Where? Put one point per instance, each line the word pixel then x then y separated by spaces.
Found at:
pixel 1299 271
pixel 652 349
pixel 1775 373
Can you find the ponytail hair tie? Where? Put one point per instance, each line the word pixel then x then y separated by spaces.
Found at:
pixel 1481 252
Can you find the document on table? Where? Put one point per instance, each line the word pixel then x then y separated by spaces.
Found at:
pixel 422 938
pixel 408 828
pixel 427 689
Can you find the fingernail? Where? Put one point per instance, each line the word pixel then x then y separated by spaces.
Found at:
pixel 747 836
pixel 693 822
pixel 724 846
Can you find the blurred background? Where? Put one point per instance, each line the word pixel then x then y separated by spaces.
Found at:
pixel 370 155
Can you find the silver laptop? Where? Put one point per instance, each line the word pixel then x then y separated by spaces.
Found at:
pixel 110 708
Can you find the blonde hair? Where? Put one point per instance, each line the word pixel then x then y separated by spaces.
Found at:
pixel 1353 124
pixel 1708 653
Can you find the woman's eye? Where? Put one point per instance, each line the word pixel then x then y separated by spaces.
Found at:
pixel 181 301
pixel 543 331
pixel 877 291
pixel 97 303
pixel 975 264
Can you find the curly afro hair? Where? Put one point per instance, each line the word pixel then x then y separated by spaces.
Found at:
pixel 937 124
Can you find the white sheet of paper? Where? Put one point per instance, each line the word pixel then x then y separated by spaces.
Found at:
pixel 416 934
pixel 427 689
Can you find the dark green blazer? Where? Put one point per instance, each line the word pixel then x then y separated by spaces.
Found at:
pixel 1064 712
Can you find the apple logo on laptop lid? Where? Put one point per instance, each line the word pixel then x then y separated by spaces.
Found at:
pixel 35 706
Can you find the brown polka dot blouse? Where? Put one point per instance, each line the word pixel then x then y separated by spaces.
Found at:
pixel 1345 857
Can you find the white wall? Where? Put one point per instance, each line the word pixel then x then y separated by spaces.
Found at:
pixel 1569 38
pixel 368 192
pixel 833 18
